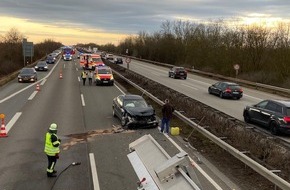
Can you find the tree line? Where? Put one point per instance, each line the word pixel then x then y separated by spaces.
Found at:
pixel 11 52
pixel 262 52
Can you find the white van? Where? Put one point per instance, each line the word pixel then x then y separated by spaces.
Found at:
pixel 109 56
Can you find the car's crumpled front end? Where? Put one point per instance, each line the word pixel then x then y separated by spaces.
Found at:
pixel 141 117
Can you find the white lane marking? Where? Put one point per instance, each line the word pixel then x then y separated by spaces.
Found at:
pixel 14 94
pixel 120 89
pixel 94 172
pixel 12 121
pixel 77 69
pixel 79 79
pixel 42 83
pixel 200 81
pixel 64 66
pixel 32 95
pixel 83 100
pixel 252 97
pixel 189 86
pixel 196 166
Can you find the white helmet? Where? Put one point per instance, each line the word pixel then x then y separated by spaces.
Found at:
pixel 53 127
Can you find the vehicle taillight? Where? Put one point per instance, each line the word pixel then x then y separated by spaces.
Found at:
pixel 228 90
pixel 241 90
pixel 286 119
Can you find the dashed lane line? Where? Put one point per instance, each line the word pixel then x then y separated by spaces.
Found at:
pixel 94 172
pixel 13 121
pixel 83 100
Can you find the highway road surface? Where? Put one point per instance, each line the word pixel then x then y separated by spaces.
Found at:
pixel 85 123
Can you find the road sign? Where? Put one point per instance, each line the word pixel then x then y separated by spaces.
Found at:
pixel 128 60
pixel 236 66
pixel 28 49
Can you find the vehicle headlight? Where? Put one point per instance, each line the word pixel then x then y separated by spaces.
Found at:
pixel 97 77
pixel 45 67
pixel 35 67
pixel 111 78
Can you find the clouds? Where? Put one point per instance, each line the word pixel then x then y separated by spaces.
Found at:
pixel 132 16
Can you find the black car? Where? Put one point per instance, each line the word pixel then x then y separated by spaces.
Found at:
pixel 274 114
pixel 134 112
pixel 27 75
pixel 177 72
pixel 118 60
pixel 50 59
pixel 226 90
pixel 41 66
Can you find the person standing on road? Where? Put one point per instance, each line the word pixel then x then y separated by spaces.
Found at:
pixel 51 148
pixel 91 75
pixel 84 77
pixel 167 111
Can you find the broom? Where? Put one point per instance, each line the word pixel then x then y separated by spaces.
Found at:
pixel 186 139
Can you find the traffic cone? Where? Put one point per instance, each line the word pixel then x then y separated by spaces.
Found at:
pixel 3 132
pixel 37 87
pixel 60 75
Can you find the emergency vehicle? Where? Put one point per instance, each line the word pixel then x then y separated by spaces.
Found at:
pixel 104 75
pixel 90 61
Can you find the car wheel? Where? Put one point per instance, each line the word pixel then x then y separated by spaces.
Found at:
pixel 169 75
pixel 247 117
pixel 124 120
pixel 184 78
pixel 221 95
pixel 274 128
pixel 174 76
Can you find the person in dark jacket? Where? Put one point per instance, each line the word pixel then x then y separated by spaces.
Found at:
pixel 51 149
pixel 167 112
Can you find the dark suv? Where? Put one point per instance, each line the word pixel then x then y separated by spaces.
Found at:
pixel 274 114
pixel 177 72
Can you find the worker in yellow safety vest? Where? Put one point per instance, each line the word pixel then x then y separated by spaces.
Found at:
pixel 84 77
pixel 52 143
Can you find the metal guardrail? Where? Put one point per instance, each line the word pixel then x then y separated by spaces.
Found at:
pixel 278 181
pixel 240 81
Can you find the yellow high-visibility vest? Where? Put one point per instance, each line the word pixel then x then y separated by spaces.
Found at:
pixel 49 149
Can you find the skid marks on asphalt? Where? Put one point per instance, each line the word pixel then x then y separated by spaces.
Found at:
pixel 87 136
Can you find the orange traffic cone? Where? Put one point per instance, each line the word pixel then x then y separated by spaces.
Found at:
pixel 3 132
pixel 60 75
pixel 37 87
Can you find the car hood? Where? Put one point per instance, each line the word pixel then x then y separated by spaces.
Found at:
pixel 140 111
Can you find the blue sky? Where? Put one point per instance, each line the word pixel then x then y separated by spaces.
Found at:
pixel 109 21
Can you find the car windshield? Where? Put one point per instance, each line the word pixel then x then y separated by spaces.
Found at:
pixel 234 87
pixel 41 64
pixel 96 59
pixel 104 71
pixel 179 69
pixel 138 103
pixel 27 71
